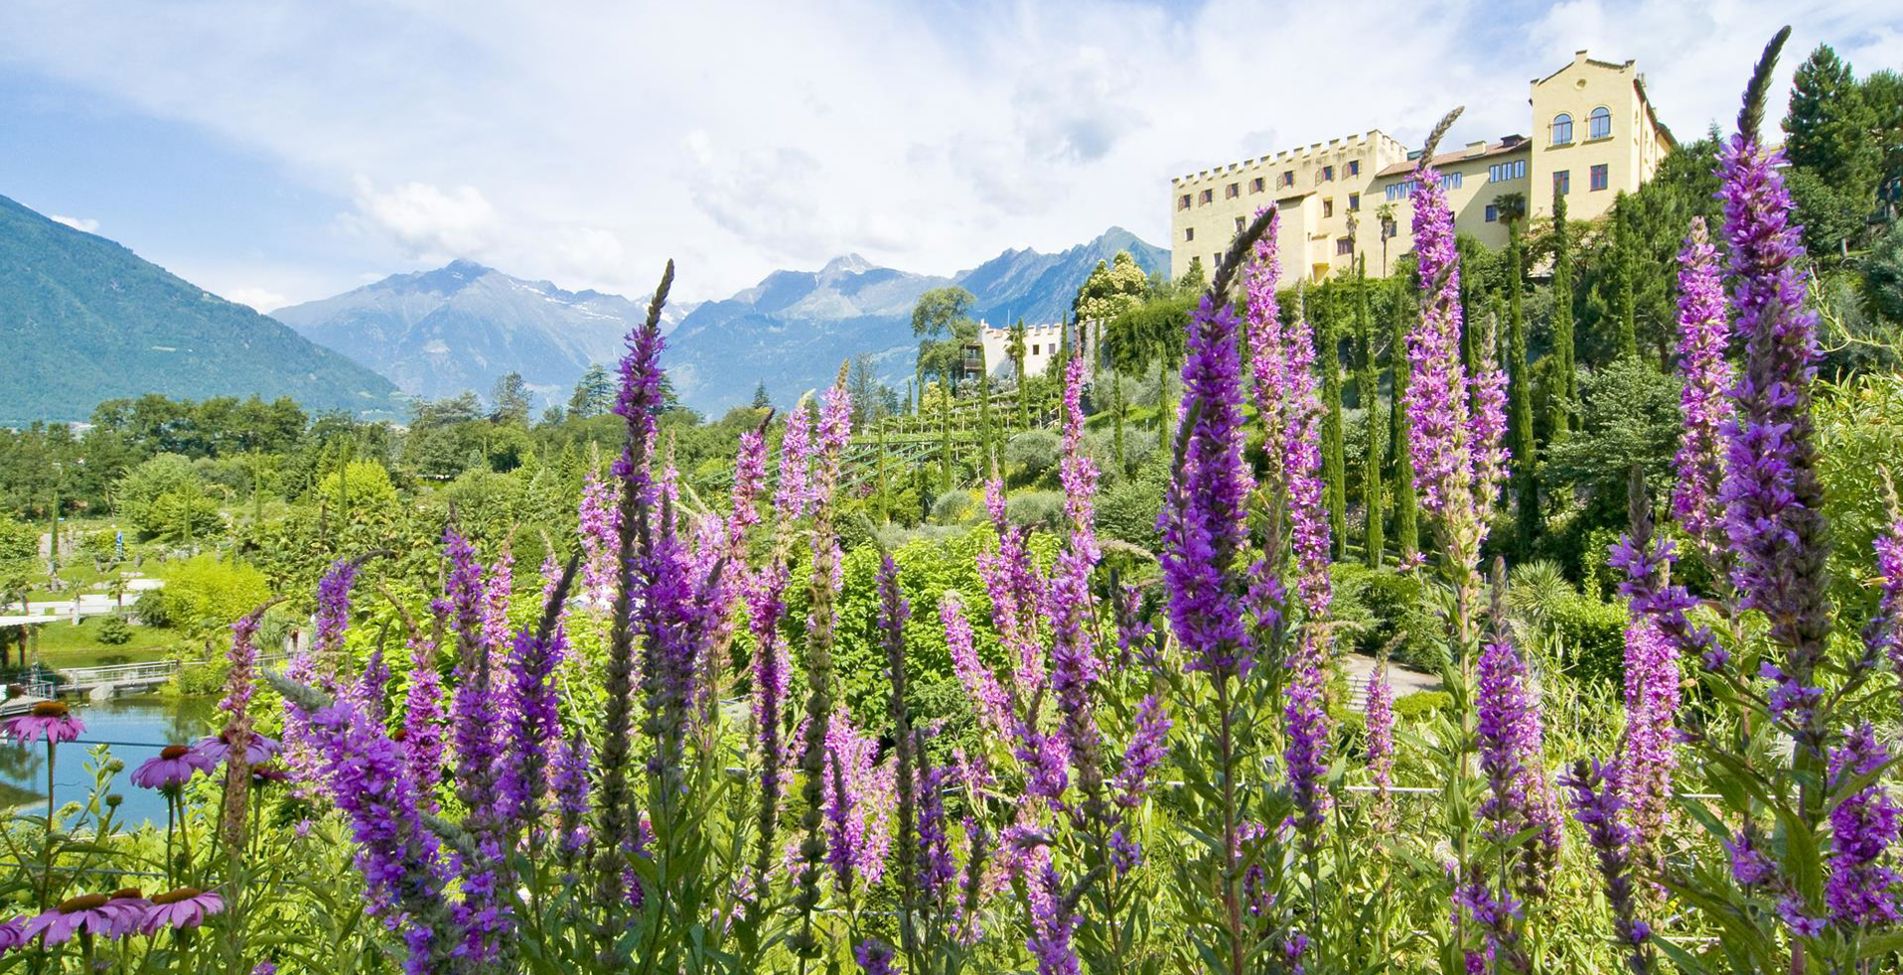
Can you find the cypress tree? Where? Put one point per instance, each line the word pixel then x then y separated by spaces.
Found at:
pixel 1407 517
pixel 1368 395
pixel 1625 275
pixel 1526 487
pixel 1566 390
pixel 1334 466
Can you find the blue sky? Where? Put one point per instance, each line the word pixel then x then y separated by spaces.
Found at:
pixel 278 152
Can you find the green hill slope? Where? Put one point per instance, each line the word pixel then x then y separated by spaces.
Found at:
pixel 83 319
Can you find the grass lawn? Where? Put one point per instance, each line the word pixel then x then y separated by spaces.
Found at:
pixel 61 644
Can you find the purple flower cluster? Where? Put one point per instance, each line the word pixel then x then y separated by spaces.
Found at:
pixel 599 525
pixel 1703 333
pixel 1017 594
pixel 398 856
pixel 1203 516
pixel 1884 635
pixel 1773 501
pixel 1455 421
pixel 1379 718
pixel 1147 748
pixel 859 802
pixel 987 696
pixel 1647 759
pixel 1597 806
pixel 1069 603
pixel 1862 891
pixel 1512 755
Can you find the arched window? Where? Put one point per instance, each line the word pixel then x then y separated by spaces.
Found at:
pixel 1599 123
pixel 1562 129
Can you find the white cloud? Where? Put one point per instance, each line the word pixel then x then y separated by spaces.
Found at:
pixel 87 224
pixel 259 299
pixel 426 221
pixel 740 137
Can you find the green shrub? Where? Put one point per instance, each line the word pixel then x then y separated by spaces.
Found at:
pixel 205 593
pixel 1390 610
pixel 1589 638
pixel 114 631
pixel 1421 704
pixel 1033 453
pixel 1036 509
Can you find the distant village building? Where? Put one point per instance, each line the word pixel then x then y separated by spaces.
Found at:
pixel 1043 344
pixel 1595 133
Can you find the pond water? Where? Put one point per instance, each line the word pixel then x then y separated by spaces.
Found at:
pixel 134 728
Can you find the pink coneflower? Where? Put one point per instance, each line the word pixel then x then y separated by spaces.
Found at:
pixel 127 907
pixel 181 910
pixel 89 913
pixel 216 748
pixel 172 768
pixel 52 721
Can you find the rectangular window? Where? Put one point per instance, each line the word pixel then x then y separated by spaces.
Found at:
pixel 1182 202
pixel 1344 246
pixel 1239 224
pixel 1232 191
pixel 1288 177
pixel 1328 207
pixel 1354 167
pixel 1354 202
pixel 1207 197
pixel 1501 172
pixel 1258 184
pixel 1600 179
pixel 1189 233
pixel 1034 348
pixel 1450 181
pixel 1493 213
pixel 1400 191
pixel 1562 181
pixel 1328 174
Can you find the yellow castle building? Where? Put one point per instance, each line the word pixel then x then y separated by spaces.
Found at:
pixel 1595 133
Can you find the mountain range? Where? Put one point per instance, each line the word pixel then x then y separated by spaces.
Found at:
pixel 793 329
pixel 462 326
pixel 87 320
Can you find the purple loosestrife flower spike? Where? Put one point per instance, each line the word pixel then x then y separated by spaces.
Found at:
pixel 1703 333
pixel 361 773
pixel 874 957
pixel 639 403
pixel 534 720
pixel 988 698
pixel 1285 397
pixel 1148 746
pixel 1773 500
pixel 1884 634
pixel 1204 511
pixel 476 722
pixel 1597 807
pixel 1070 603
pixel 315 664
pixel 1862 891
pixel 241 685
pixel 1017 595
pixel 1644 772
pixel 598 525
pixel 1648 586
pixel 859 801
pixel 1380 725
pixel 421 748
pixel 1512 754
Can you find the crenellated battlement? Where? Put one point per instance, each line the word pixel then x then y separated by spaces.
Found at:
pixel 1344 146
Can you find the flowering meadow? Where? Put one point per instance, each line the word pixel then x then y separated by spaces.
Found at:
pixel 649 753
